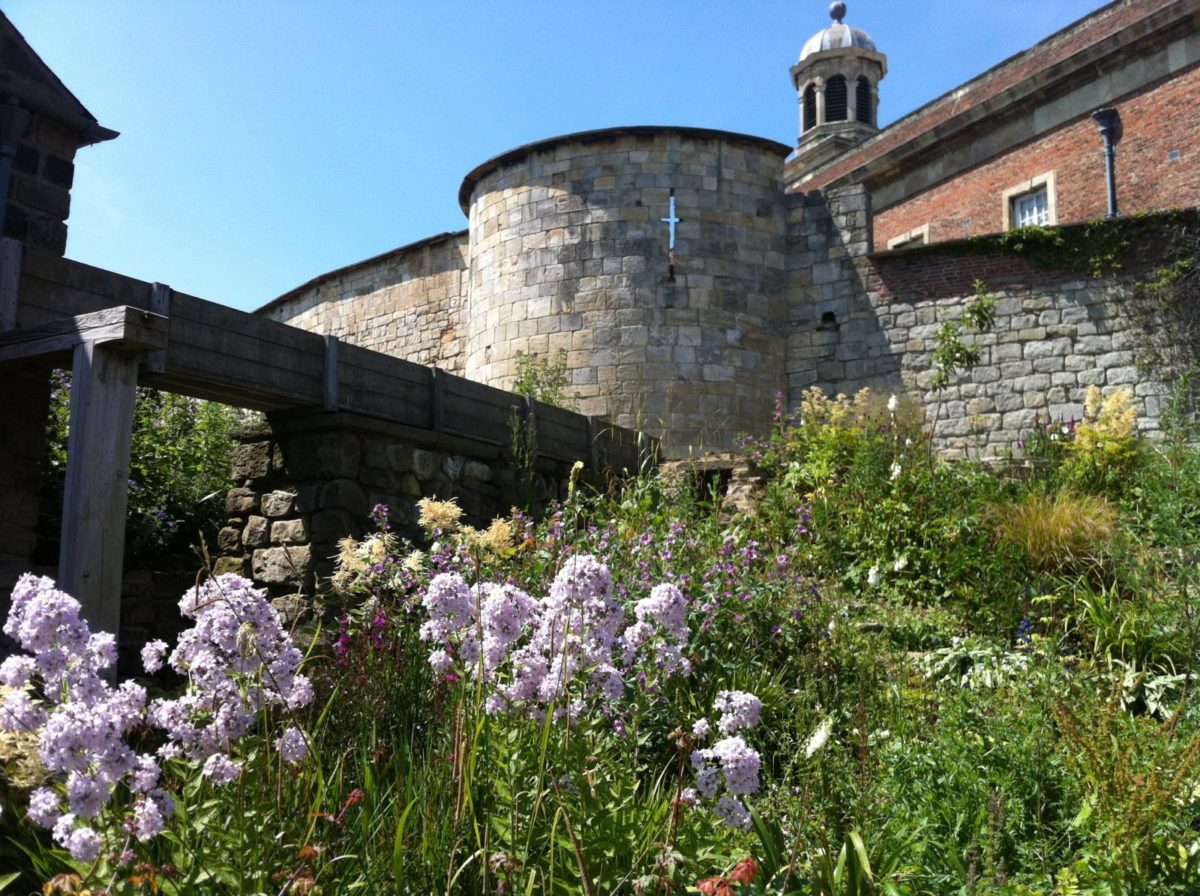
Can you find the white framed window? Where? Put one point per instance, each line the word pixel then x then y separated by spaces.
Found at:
pixel 1031 204
pixel 918 236
pixel 1030 209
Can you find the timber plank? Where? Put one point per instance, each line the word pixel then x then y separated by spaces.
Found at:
pixel 122 327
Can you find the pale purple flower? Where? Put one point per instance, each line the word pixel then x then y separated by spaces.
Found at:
pixel 83 844
pixel 701 729
pixel 292 745
pixel 152 656
pixel 739 764
pixel 16 671
pixel 148 821
pixel 733 813
pixel 44 807
pixel 739 710
pixel 220 770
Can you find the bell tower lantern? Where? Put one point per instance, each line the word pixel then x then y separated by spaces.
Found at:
pixel 837 85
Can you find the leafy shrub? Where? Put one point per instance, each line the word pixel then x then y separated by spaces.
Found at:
pixel 179 474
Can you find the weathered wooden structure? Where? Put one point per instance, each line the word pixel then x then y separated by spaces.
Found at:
pixel 115 332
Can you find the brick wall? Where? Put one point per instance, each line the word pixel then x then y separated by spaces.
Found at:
pixel 1159 120
pixel 406 303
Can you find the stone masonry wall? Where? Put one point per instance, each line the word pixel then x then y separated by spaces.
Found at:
pixel 407 303
pixel 1056 332
pixel 39 194
pixel 305 481
pixel 834 339
pixel 569 252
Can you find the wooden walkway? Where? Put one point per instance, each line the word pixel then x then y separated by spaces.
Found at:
pixel 116 332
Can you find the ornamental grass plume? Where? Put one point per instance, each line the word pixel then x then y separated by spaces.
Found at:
pixel 1057 532
pixel 443 516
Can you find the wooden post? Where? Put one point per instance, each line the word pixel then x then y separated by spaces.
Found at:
pixel 10 277
pixel 160 304
pixel 330 398
pixel 103 388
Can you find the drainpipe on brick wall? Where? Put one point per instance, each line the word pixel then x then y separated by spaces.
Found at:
pixel 1110 131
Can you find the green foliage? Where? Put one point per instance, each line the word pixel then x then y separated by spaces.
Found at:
pixel 971 683
pixel 178 474
pixel 543 379
pixel 951 355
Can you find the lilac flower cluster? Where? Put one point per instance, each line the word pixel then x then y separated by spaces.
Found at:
pixel 238 661
pixel 82 732
pixel 566 649
pixel 730 760
pixel 661 620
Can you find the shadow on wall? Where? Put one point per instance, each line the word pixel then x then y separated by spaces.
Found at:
pixel 836 340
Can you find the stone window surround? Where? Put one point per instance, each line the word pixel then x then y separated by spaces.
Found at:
pixel 1033 185
pixel 918 236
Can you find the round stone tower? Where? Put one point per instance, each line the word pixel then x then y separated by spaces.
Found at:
pixel 837 85
pixel 654 258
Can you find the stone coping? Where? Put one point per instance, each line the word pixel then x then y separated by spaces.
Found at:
pixel 596 136
pixel 366 262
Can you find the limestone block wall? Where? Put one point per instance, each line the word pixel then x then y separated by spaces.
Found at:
pixel 836 339
pixel 1056 332
pixel 568 252
pixel 407 303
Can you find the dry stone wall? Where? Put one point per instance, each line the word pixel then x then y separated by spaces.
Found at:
pixel 307 480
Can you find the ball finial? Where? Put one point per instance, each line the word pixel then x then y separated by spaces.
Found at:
pixel 837 11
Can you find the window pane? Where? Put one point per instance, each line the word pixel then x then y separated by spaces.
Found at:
pixel 1032 209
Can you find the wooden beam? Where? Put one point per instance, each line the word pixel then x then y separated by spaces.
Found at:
pixel 96 492
pixel 124 327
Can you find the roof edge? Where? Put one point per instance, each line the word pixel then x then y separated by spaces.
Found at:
pixel 515 155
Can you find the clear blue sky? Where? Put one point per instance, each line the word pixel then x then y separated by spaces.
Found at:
pixel 264 142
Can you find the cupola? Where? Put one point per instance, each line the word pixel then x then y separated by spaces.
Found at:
pixel 837 85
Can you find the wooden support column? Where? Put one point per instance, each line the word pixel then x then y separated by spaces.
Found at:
pixel 105 347
pixel 10 278
pixel 96 493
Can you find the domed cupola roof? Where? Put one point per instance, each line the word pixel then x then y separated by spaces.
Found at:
pixel 837 36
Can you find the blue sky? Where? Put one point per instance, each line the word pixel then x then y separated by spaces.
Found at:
pixel 264 142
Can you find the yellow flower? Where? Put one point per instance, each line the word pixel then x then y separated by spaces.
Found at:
pixel 444 515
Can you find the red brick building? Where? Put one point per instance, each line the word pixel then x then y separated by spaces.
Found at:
pixel 1019 144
